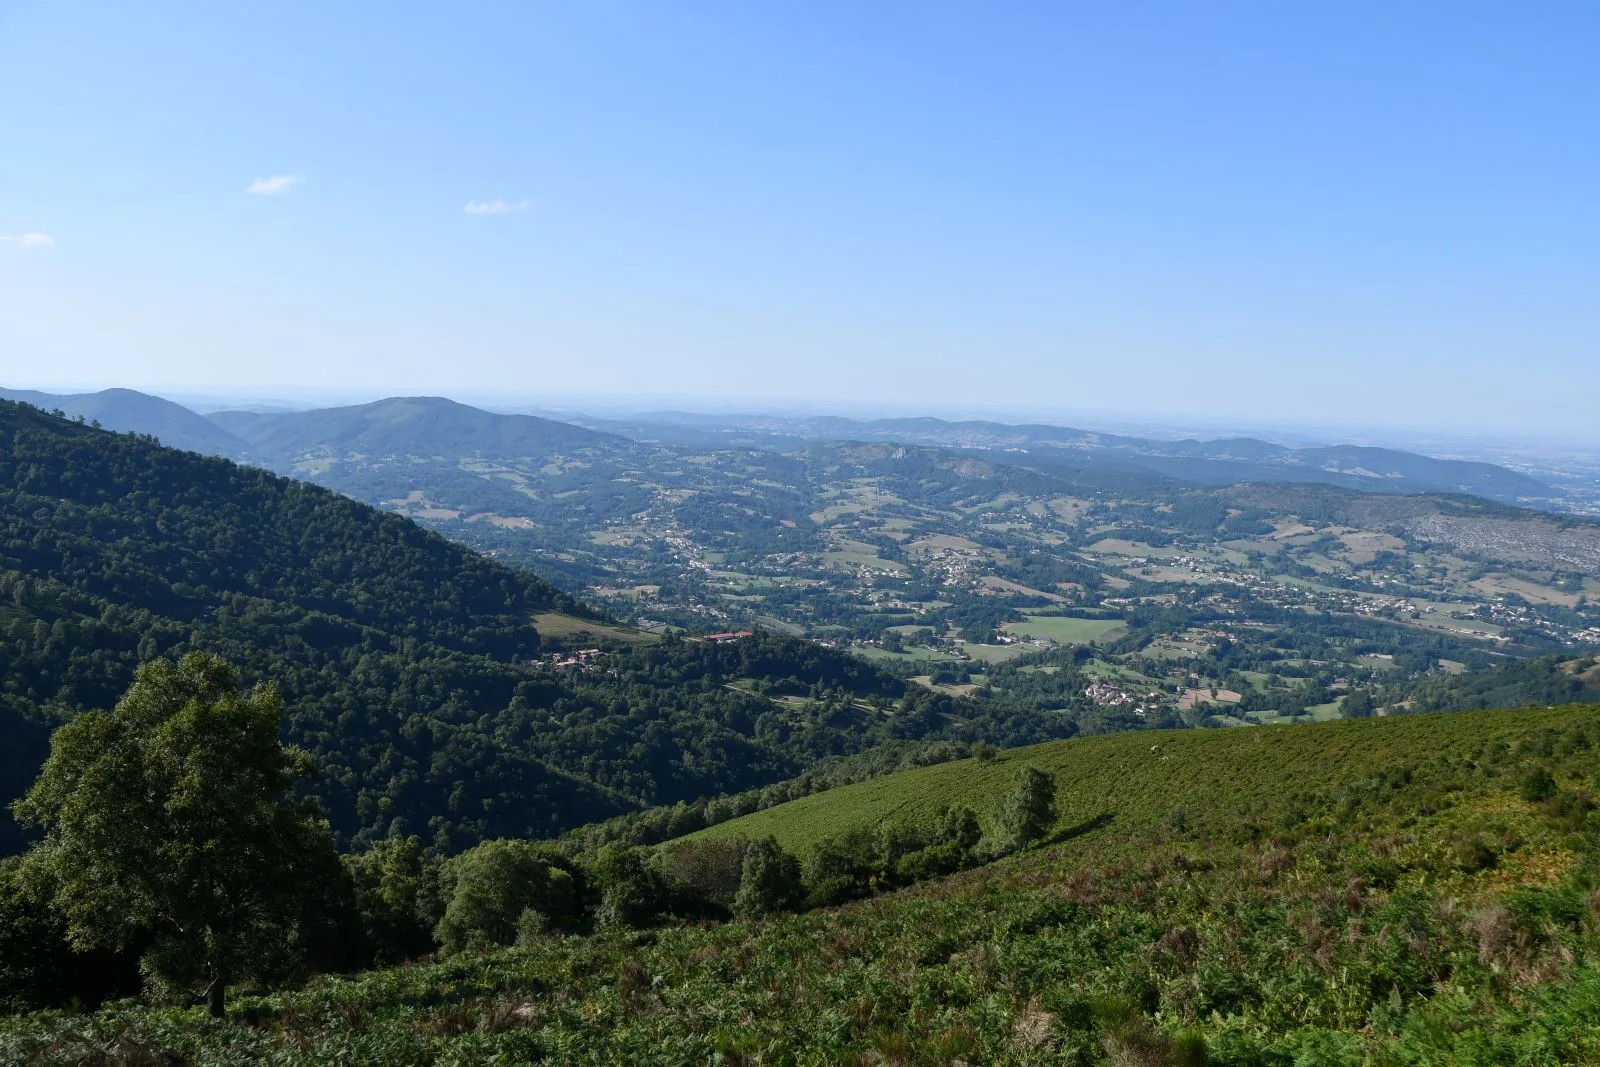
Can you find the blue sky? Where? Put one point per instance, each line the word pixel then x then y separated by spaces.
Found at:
pixel 1362 213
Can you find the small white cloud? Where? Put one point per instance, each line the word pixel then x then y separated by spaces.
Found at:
pixel 27 240
pixel 275 185
pixel 496 207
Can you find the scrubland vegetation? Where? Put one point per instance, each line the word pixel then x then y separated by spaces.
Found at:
pixel 1415 890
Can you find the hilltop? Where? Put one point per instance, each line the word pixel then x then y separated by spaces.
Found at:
pixel 407 426
pixel 1211 462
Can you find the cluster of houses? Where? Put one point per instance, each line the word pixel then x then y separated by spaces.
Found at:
pixel 1107 695
pixel 572 661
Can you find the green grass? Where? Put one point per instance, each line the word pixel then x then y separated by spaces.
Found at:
pixel 1136 778
pixel 912 654
pixel 994 653
pixel 1066 630
pixel 1103 669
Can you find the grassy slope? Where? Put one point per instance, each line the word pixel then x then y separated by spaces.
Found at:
pixel 1128 782
pixel 1367 892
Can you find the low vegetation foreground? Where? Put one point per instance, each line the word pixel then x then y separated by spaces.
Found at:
pixel 1407 891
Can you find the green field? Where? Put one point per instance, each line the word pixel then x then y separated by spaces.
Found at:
pixel 912 654
pixel 993 653
pixel 571 628
pixel 1065 630
pixel 1137 778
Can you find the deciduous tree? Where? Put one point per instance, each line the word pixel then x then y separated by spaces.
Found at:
pixel 168 822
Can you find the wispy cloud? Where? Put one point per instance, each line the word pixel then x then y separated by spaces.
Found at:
pixel 496 207
pixel 275 185
pixel 27 240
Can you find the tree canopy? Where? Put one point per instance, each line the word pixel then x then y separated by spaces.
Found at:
pixel 168 824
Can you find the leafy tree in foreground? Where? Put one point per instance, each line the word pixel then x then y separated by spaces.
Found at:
pixel 168 824
pixel 1029 809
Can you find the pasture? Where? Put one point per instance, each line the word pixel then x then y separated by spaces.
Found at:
pixel 569 628
pixel 1066 629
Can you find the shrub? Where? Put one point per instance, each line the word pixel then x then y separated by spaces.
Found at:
pixel 958 826
pixel 397 895
pixel 706 873
pixel 930 862
pixel 1536 785
pixel 841 868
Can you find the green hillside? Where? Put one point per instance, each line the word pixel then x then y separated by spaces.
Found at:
pixel 1119 784
pixel 1406 891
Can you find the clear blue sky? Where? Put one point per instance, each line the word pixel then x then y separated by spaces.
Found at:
pixel 1378 213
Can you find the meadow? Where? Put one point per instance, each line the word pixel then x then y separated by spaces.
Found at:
pixel 1067 630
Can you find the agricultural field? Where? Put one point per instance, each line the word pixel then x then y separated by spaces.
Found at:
pixel 571 628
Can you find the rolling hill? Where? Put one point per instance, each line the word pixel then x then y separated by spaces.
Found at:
pixel 408 426
pixel 1211 462
pixel 1117 785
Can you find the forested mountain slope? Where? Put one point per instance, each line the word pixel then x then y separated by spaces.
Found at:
pixel 405 659
pixel 1546 681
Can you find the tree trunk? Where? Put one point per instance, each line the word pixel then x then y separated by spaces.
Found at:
pixel 216 998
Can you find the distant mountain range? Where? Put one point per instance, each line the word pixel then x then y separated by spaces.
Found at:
pixel 1217 462
pixel 437 427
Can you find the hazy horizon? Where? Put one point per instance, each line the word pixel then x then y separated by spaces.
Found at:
pixel 1150 424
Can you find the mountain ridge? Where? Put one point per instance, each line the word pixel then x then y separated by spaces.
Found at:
pixel 128 410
